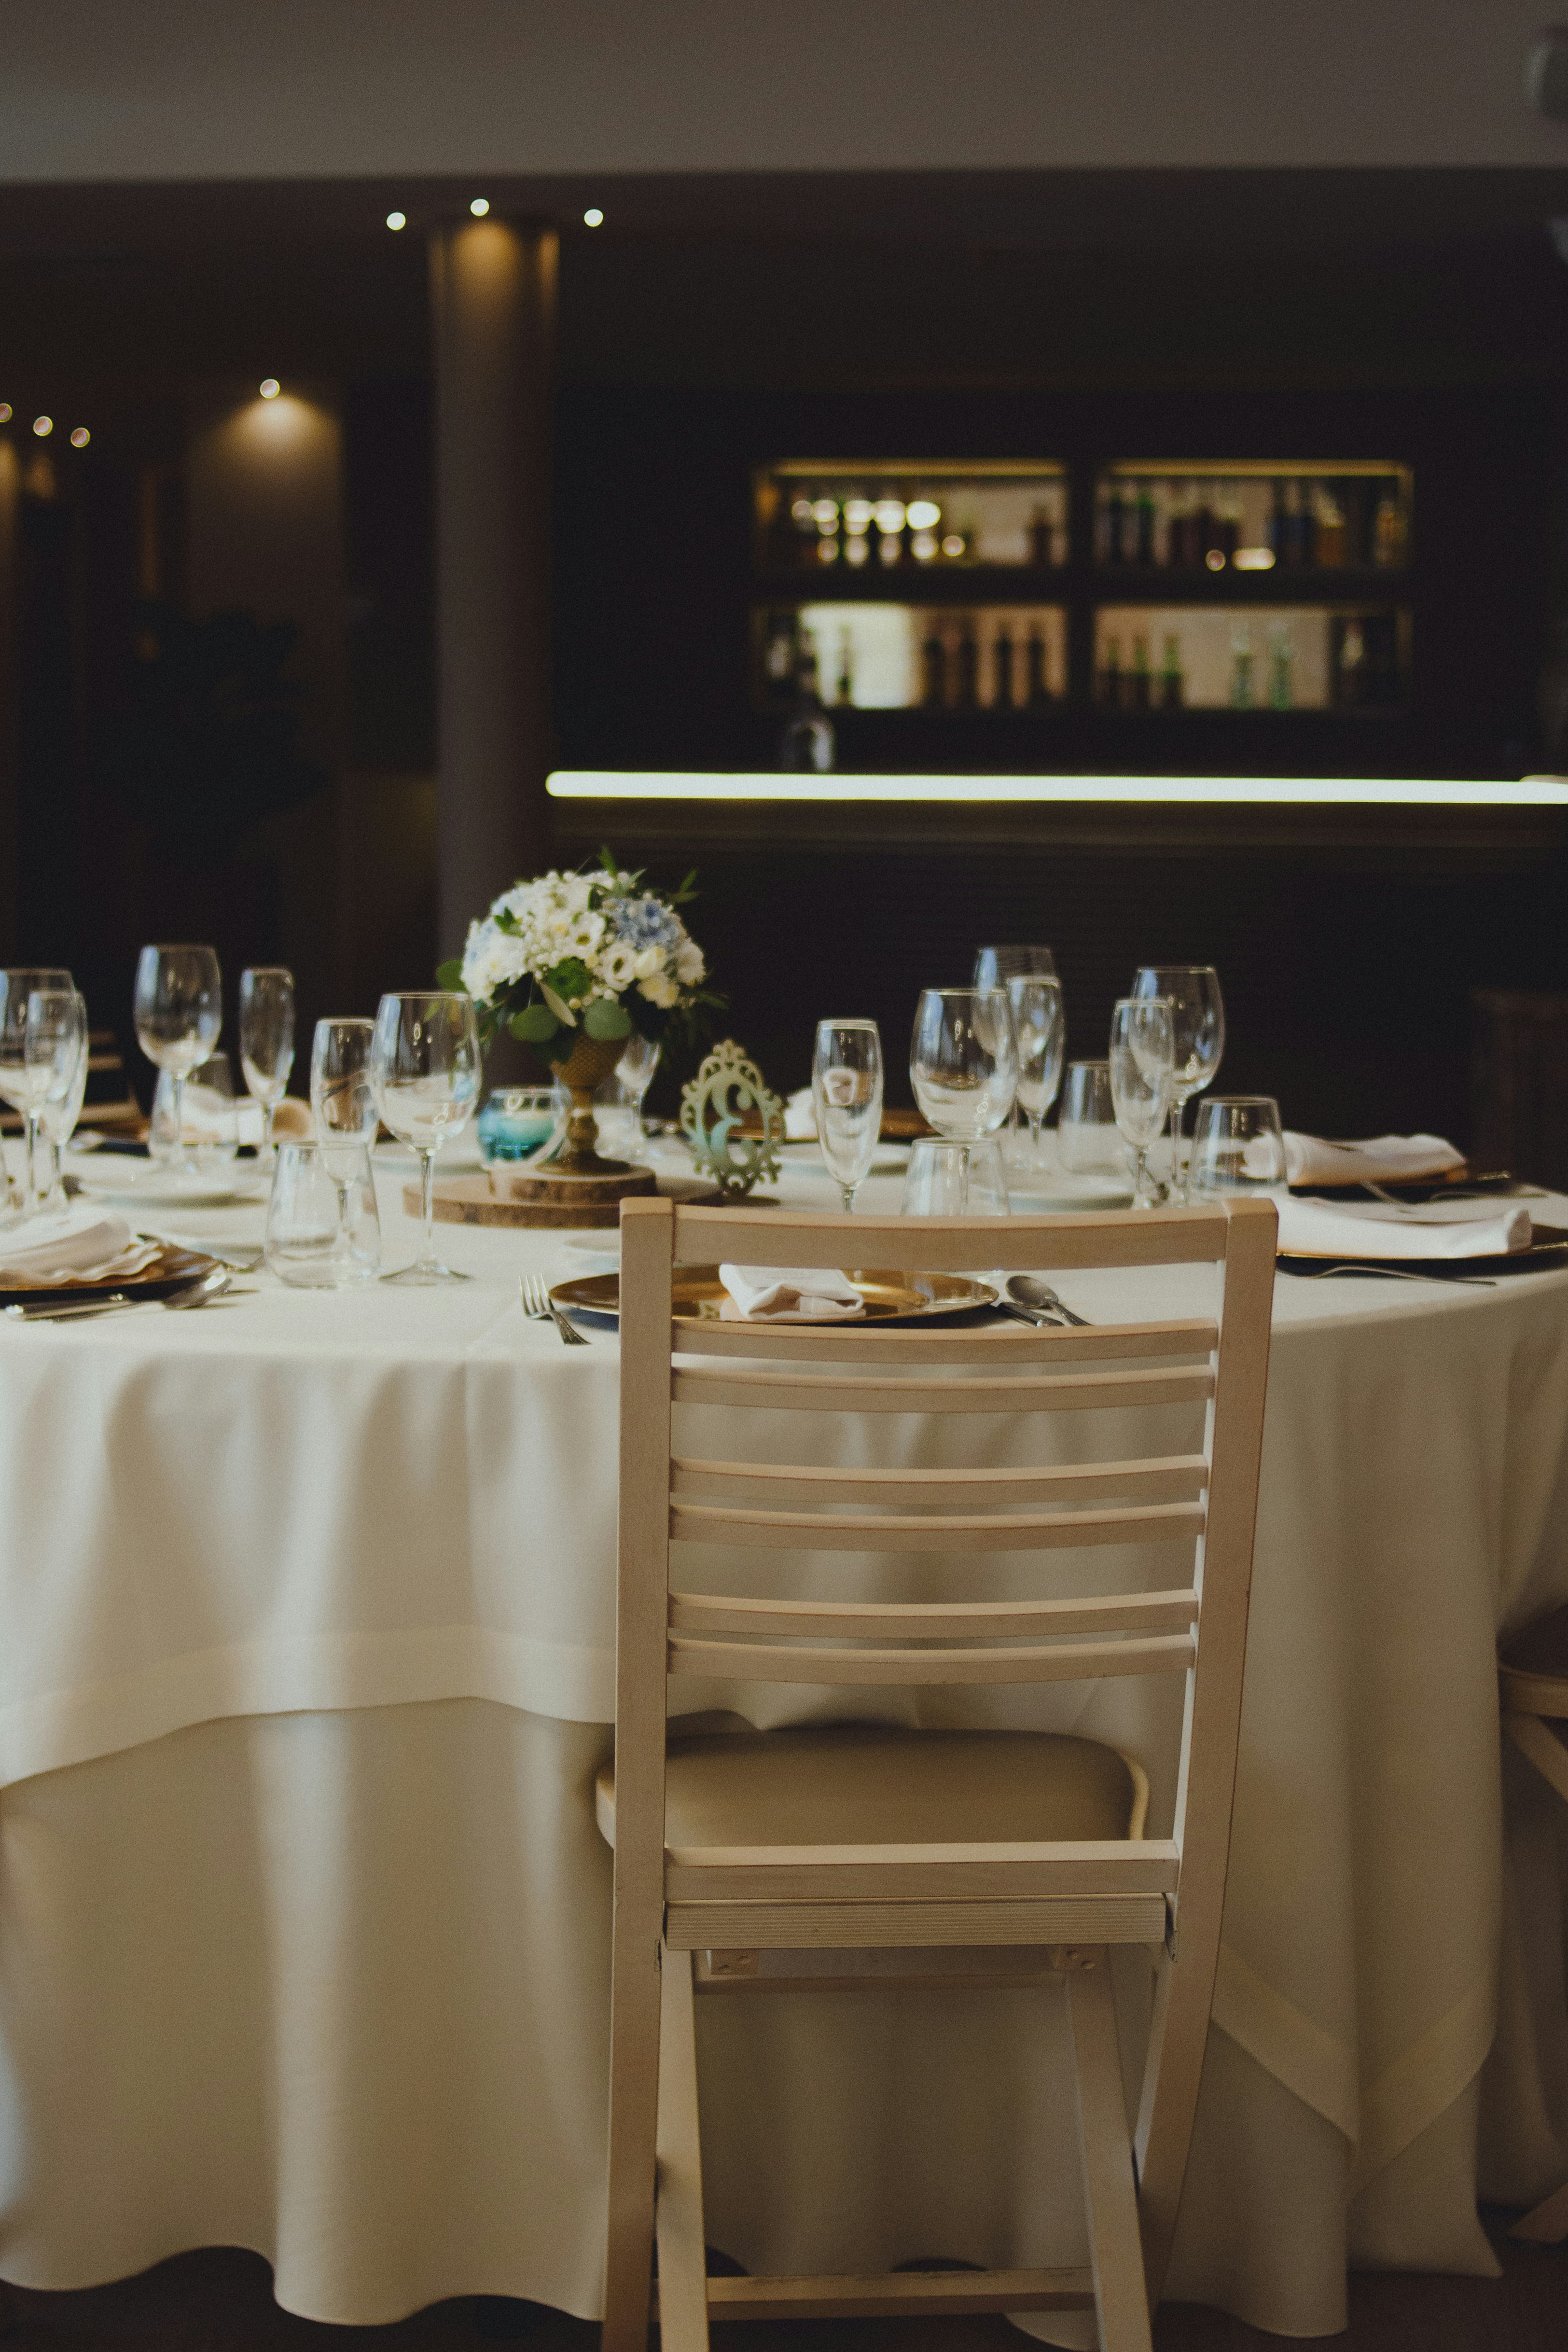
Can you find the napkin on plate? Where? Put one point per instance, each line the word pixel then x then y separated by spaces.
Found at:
pixel 1381 1160
pixel 800 1117
pixel 89 1245
pixel 791 1294
pixel 1319 1229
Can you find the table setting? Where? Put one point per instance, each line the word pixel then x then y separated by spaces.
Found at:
pixel 306 1605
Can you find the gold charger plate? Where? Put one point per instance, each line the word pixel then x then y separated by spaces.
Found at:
pixel 1546 1253
pixel 700 1296
pixel 171 1270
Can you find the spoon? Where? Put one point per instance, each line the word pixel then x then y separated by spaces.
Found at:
pixel 1030 1290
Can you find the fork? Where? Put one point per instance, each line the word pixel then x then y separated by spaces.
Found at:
pixel 540 1307
pixel 1388 1274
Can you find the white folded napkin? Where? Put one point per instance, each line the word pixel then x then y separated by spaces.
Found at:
pixel 90 1245
pixel 1319 1229
pixel 209 1116
pixel 800 1117
pixel 1381 1160
pixel 791 1294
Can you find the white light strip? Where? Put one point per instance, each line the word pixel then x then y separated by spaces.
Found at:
pixel 1295 792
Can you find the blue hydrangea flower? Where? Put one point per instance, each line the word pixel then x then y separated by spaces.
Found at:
pixel 645 923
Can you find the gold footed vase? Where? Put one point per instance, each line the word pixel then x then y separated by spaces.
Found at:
pixel 575 1182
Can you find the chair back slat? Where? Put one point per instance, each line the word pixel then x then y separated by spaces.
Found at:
pixel 933 1343
pixel 1167 1478
pixel 945 1531
pixel 1044 1392
pixel 946 1244
pixel 956 1873
pixel 934 1620
pixel 760 1662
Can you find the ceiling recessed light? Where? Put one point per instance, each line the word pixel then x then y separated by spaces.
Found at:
pixel 270 387
pixel 397 220
pixel 5 411
pixel 479 207
pixel 43 426
pixel 592 216
pixel 80 438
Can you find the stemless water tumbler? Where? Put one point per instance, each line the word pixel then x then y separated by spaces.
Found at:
pixel 1237 1145
pixel 322 1229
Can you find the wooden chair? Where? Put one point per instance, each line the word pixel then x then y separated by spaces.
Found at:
pixel 865 1854
pixel 1533 1679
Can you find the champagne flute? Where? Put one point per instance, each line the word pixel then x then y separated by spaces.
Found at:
pixel 425 1068
pixel 1197 1033
pixel 636 1071
pixel 20 1086
pixel 266 1042
pixel 179 1011
pixel 846 1092
pixel 58 1044
pixel 343 1100
pixel 1040 1038
pixel 995 967
pixel 962 1064
pixel 1141 1069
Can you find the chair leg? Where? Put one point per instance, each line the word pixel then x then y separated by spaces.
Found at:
pixel 634 2008
pixel 1544 1749
pixel 1121 2293
pixel 683 2251
pixel 1545 2224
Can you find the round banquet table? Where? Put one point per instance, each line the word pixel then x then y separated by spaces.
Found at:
pixel 306 1669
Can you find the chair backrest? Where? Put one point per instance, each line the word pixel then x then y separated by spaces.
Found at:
pixel 1205 1497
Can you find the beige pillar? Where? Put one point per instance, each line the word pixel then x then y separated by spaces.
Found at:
pixel 492 287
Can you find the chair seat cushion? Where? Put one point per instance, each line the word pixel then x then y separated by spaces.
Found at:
pixel 1534 1667
pixel 854 1784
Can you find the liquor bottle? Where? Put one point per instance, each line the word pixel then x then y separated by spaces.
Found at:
pixel 1348 658
pixel 1002 672
pixel 1116 523
pixel 890 519
pixel 1279 525
pixel 1209 542
pixel 803 531
pixel 1138 681
pixel 1036 691
pixel 1301 526
pixel 1328 540
pixel 1040 538
pixel 808 745
pixel 1143 539
pixel 858 514
pixel 1228 521
pixel 1179 533
pixel 967 679
pixel 1280 696
pixel 1172 685
pixel 780 652
pixel 1111 674
pixel 934 667
pixel 1241 667
pixel 1388 533
pixel 846 695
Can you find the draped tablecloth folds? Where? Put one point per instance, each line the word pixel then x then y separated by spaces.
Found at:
pixel 306 1669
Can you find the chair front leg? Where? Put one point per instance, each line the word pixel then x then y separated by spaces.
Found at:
pixel 634 2011
pixel 1120 2292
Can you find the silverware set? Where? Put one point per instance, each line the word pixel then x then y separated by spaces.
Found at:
pixel 55 1309
pixel 1032 1300
pixel 1386 1274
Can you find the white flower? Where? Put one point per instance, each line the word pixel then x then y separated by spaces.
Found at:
pixel 659 988
pixel 649 961
pixel 689 964
pixel 492 959
pixel 616 966
pixel 574 892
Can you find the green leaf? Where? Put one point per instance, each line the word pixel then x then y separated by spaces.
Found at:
pixel 571 977
pixel 604 1018
pixel 535 1025
pixel 450 974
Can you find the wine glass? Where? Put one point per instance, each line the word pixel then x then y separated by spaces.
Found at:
pixel 636 1071
pixel 343 1100
pixel 57 1044
pixel 1039 1039
pixel 179 1011
pixel 425 1066
pixel 846 1093
pixel 213 1114
pixel 1142 1068
pixel 962 1062
pixel 994 967
pixel 266 1042
pixel 1087 1140
pixel 1197 1033
pixel 19 1085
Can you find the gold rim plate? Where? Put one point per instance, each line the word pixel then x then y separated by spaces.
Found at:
pixel 1547 1251
pixel 700 1296
pixel 170 1270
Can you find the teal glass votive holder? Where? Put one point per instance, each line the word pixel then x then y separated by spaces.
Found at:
pixel 521 1123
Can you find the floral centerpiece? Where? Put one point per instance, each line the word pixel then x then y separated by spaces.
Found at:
pixel 570 964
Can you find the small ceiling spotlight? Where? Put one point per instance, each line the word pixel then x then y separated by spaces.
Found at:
pixel 270 387
pixel 80 438
pixel 43 426
pixel 397 220
pixel 593 217
pixel 5 411
pixel 479 207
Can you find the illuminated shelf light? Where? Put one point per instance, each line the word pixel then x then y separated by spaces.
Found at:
pixel 1290 792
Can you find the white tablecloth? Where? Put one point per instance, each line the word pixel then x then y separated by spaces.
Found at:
pixel 306 1633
